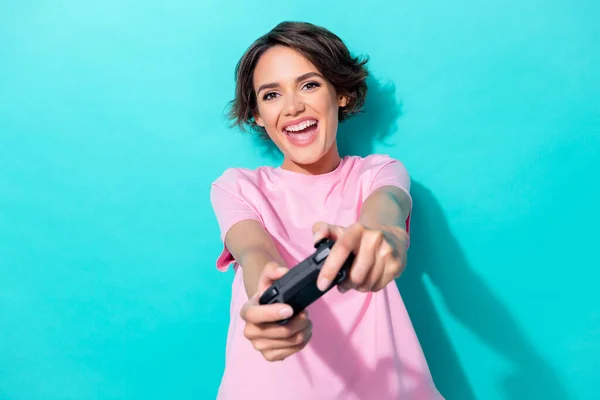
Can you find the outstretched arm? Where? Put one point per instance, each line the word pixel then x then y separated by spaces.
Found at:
pixel 389 206
pixel 252 247
pixel 379 241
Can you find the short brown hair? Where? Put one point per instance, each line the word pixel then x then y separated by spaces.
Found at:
pixel 321 47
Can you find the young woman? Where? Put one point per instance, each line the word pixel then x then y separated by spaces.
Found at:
pixel 294 85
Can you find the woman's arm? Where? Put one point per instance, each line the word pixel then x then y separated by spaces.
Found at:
pixel 379 241
pixel 253 248
pixel 255 251
pixel 388 206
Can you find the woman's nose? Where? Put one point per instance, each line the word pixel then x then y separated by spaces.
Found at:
pixel 294 105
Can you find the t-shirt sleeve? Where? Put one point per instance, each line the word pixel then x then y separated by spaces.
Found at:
pixel 230 207
pixel 387 171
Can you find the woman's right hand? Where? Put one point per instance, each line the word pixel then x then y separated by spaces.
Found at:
pixel 274 341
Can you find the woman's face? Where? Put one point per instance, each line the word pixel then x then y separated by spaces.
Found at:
pixel 297 107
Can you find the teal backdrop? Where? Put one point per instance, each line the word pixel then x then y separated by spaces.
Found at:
pixel 112 129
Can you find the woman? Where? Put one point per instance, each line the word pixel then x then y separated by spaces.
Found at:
pixel 294 85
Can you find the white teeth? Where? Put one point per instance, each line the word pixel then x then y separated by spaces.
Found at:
pixel 301 126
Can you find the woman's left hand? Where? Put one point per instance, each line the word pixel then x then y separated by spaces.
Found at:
pixel 380 255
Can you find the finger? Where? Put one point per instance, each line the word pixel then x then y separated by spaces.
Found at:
pixel 392 269
pixel 298 338
pixel 282 354
pixel 347 243
pixel 365 259
pixel 254 313
pixel 374 277
pixel 382 253
pixel 275 331
pixel 386 278
pixel 270 274
pixel 402 265
pixel 322 230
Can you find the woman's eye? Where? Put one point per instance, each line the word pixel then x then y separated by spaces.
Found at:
pixel 311 85
pixel 269 96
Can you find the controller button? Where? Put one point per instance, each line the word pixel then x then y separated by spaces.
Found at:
pixel 321 255
pixel 270 294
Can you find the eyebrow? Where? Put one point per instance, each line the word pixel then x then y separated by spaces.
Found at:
pixel 298 79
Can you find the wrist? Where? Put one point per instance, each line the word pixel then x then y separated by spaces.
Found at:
pixel 253 263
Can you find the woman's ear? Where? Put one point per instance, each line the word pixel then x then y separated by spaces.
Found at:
pixel 258 120
pixel 343 101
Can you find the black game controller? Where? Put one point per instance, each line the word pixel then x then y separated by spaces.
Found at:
pixel 298 287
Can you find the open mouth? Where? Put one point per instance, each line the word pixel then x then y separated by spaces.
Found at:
pixel 303 133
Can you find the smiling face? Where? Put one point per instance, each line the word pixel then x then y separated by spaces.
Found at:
pixel 298 108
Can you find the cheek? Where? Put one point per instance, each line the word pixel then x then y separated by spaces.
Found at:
pixel 329 108
pixel 329 105
pixel 269 116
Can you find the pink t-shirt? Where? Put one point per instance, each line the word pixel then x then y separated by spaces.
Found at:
pixel 363 344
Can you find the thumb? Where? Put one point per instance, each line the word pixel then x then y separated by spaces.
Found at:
pixel 270 274
pixel 322 230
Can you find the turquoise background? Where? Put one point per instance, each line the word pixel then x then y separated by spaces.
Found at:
pixel 112 129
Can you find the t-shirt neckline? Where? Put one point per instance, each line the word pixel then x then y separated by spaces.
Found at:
pixel 308 178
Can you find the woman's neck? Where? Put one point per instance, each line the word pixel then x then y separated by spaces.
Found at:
pixel 329 162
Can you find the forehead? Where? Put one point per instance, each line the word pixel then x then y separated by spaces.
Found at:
pixel 281 64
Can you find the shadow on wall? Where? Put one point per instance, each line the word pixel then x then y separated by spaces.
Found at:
pixel 436 254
